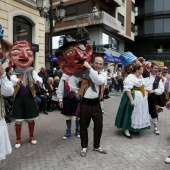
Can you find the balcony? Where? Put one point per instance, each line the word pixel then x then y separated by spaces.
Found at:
pixel 115 3
pixel 94 19
pixel 118 2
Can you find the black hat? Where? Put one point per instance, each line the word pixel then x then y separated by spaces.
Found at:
pixel 66 41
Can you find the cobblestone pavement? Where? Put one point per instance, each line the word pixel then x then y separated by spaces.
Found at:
pixel 145 151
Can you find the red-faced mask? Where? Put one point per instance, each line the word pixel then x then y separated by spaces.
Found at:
pixel 73 58
pixel 21 54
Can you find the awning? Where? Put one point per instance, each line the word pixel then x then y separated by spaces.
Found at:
pixel 112 59
pixel 53 59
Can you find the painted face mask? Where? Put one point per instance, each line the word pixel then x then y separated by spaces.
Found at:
pixel 73 57
pixel 21 54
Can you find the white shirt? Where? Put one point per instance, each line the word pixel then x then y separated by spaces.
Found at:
pixel 60 93
pixel 7 88
pixel 97 79
pixel 149 84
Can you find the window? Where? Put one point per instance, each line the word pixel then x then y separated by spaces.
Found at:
pixel 136 11
pixel 114 44
pixel 120 46
pixel 22 29
pixel 132 27
pixel 77 9
pixel 70 10
pixel 105 38
pixel 162 47
pixel 121 19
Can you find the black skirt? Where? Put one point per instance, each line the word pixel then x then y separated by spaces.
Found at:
pixel 69 106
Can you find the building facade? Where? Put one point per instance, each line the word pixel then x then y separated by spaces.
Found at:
pixel 21 21
pixel 152 31
pixel 106 24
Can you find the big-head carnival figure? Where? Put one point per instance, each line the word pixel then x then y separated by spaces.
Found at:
pixel 24 77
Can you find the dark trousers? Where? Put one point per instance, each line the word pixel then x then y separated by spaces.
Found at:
pixel 154 100
pixel 120 85
pixel 88 112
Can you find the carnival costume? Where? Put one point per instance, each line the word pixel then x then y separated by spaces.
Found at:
pixel 71 58
pixel 134 118
pixel 70 104
pixel 23 79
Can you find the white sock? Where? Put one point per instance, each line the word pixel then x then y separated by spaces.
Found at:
pixel 101 104
pixel 84 149
pixel 155 121
pixel 127 132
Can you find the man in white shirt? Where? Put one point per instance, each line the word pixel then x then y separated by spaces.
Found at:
pixel 90 104
pixel 155 89
pixel 166 81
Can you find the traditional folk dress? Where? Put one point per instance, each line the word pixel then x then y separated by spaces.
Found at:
pixel 134 118
pixel 5 146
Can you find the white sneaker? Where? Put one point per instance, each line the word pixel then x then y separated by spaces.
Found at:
pixel 34 142
pixel 157 132
pixel 103 112
pixel 17 145
pixel 167 160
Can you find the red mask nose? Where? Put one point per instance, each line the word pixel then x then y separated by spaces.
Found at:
pixel 24 54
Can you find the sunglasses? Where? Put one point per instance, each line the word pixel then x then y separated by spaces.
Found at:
pixel 165 69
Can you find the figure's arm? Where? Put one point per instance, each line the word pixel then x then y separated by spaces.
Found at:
pixel 129 95
pixel 160 88
pixel 128 85
pixel 98 79
pixel 14 79
pixel 36 77
pixel 60 90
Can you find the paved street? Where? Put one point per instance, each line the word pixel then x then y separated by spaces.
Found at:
pixel 145 151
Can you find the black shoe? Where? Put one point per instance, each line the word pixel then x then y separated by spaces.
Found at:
pixel 46 113
pixel 136 133
pixel 8 121
pixel 129 137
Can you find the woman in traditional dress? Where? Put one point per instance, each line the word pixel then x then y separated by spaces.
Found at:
pixel 133 113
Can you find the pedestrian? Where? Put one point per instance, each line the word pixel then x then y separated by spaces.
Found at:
pixel 58 72
pixel 8 100
pixel 133 113
pixel 43 74
pixel 156 98
pixel 119 78
pixel 74 57
pixel 5 90
pixel 24 77
pixel 165 79
pixel 68 104
pixel 90 104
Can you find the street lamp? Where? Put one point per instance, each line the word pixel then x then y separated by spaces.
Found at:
pixel 49 15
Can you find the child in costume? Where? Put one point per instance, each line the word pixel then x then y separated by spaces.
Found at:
pixel 24 77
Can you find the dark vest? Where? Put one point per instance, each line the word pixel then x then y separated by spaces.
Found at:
pixel 156 82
